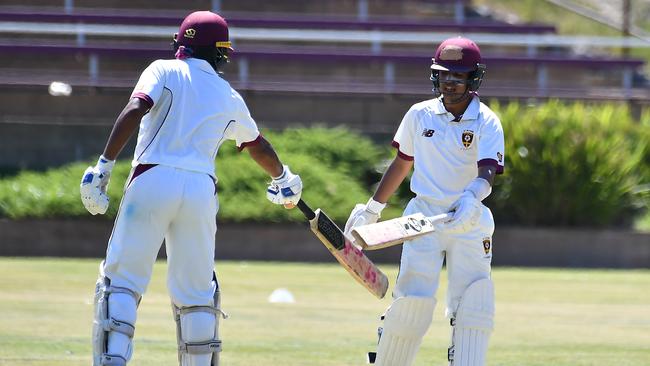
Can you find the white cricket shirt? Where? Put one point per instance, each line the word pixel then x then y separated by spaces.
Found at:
pixel 193 111
pixel 446 154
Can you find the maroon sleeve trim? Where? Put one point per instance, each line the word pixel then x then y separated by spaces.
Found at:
pixel 251 143
pixel 395 144
pixel 491 162
pixel 147 99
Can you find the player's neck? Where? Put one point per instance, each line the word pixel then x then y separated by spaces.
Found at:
pixel 457 109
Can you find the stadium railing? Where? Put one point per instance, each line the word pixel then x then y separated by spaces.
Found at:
pixel 321 69
pixel 265 20
pixel 359 9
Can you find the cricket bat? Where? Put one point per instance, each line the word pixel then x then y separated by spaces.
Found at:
pixel 350 257
pixel 392 232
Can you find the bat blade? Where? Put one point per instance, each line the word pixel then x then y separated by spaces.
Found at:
pixel 360 267
pixel 387 233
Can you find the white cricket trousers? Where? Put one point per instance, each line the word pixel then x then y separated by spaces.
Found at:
pixel 468 257
pixel 180 207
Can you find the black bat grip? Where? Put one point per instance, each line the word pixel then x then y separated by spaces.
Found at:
pixel 308 212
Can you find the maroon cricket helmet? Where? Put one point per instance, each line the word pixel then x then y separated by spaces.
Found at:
pixel 457 55
pixel 203 28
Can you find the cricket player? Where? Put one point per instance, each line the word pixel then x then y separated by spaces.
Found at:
pixel 454 143
pixel 185 111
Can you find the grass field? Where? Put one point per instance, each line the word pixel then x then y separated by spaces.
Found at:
pixel 544 316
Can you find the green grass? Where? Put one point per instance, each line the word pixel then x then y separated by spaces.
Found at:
pixel 544 316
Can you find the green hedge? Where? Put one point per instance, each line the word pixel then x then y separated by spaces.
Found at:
pixel 572 164
pixel 333 163
pixel 566 164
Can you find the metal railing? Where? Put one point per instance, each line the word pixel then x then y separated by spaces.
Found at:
pixel 377 39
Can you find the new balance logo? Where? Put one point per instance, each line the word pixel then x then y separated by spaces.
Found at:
pixel 427 132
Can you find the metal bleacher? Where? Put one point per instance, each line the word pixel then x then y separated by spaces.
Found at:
pixel 358 63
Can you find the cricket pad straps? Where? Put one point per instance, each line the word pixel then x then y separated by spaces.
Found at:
pixel 197 332
pixel 114 322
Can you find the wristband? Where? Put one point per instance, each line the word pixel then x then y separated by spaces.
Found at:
pixel 104 164
pixel 374 206
pixel 480 188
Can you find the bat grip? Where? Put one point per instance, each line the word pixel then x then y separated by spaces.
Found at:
pixel 308 212
pixel 441 218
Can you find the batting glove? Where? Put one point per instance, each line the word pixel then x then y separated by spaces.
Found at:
pixel 467 212
pixel 364 215
pixel 285 189
pixel 94 184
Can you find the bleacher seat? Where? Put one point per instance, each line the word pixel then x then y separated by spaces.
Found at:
pixel 284 82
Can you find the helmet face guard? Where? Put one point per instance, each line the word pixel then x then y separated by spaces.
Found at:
pixel 473 81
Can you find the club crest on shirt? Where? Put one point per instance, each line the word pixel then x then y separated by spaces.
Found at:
pixel 487 245
pixel 467 137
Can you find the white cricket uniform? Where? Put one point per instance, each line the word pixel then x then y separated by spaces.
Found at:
pixel 171 191
pixel 446 155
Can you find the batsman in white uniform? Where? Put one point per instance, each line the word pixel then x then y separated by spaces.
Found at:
pixel 454 143
pixel 185 111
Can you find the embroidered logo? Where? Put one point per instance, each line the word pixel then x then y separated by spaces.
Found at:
pixel 467 137
pixel 487 245
pixel 500 157
pixel 190 33
pixel 427 132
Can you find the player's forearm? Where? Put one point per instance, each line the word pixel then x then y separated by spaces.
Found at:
pixel 125 125
pixel 266 157
pixel 393 177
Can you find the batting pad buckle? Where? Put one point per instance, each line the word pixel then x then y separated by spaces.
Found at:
pixel 112 360
pixel 450 353
pixel 372 356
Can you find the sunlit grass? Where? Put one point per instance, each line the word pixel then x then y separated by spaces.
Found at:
pixel 544 316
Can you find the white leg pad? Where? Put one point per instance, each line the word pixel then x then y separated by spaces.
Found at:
pixel 197 333
pixel 405 323
pixel 114 323
pixel 472 325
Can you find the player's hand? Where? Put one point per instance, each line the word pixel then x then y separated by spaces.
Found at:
pixel 467 212
pixel 363 215
pixel 94 185
pixel 285 189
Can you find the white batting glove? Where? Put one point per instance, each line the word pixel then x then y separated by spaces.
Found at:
pixel 285 189
pixel 467 212
pixel 94 184
pixel 363 215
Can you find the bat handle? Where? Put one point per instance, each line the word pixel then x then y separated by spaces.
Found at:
pixel 441 218
pixel 308 212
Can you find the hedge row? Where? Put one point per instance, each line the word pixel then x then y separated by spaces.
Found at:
pixel 566 164
pixel 333 164
pixel 573 165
